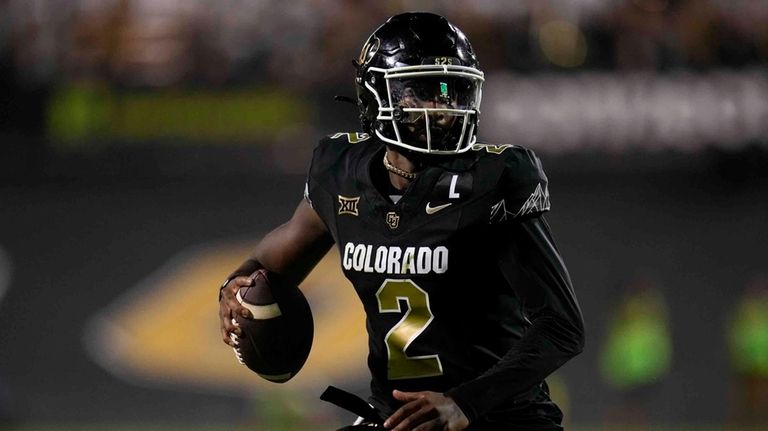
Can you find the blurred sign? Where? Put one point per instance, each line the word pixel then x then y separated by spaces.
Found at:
pixel 686 111
pixel 82 114
pixel 166 330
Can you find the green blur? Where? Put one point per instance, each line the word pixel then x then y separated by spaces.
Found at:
pixel 78 115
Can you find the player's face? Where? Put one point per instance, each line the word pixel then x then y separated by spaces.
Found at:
pixel 427 102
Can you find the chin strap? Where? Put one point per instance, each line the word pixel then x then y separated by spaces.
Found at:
pixel 352 403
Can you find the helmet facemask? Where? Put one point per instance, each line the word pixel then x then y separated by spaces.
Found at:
pixel 431 108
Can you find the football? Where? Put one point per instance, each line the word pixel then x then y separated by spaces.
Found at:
pixel 276 341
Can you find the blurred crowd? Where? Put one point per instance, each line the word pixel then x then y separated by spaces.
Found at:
pixel 303 43
pixel 562 74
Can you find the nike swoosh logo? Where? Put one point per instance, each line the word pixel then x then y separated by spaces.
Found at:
pixel 432 210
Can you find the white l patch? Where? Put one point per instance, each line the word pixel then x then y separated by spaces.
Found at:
pixel 452 194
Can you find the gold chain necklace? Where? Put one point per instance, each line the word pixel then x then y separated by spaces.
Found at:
pixel 397 171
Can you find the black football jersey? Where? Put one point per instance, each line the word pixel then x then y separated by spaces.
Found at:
pixel 439 311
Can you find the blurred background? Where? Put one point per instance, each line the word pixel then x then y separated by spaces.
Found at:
pixel 146 145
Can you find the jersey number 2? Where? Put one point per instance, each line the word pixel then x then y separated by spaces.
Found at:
pixel 416 319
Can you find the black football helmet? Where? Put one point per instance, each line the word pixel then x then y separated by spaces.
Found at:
pixel 419 85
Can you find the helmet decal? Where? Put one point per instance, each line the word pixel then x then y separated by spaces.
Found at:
pixel 370 49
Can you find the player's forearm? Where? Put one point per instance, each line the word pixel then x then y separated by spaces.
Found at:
pixel 246 268
pixel 547 345
pixel 292 249
pixel 532 265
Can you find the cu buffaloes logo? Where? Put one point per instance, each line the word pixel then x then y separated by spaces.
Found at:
pixel 370 49
pixel 348 205
pixel 393 220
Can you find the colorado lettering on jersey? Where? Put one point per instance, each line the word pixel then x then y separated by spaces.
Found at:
pixel 394 260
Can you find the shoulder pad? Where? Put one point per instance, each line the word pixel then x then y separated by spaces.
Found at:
pixel 350 137
pixel 492 148
pixel 336 154
pixel 333 167
pixel 524 184
pixel 333 147
pixel 520 162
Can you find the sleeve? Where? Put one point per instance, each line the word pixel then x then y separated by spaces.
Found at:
pixel 317 172
pixel 532 265
pixel 321 178
pixel 523 186
pixel 315 187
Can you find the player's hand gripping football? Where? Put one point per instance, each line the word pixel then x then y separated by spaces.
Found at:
pixel 426 411
pixel 229 306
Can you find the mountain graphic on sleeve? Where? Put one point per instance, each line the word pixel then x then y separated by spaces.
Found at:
pixel 537 202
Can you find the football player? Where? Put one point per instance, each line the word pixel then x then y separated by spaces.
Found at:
pixel 469 305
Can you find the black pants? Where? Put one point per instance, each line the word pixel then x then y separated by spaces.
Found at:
pixel 539 413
